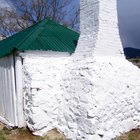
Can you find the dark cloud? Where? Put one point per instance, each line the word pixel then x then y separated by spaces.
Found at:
pixel 129 22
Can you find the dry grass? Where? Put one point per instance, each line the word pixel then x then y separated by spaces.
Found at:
pixel 55 135
pixel 25 134
pixel 132 135
pixel 135 61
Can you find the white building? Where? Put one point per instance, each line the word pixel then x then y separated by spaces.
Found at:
pixel 48 42
pixel 93 94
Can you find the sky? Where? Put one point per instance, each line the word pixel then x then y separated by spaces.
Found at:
pixel 4 3
pixel 129 21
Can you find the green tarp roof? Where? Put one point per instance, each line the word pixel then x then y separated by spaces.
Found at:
pixel 45 35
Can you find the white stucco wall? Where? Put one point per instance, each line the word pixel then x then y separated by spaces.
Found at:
pixel 93 94
pixel 43 88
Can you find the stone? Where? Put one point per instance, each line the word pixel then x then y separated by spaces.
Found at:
pixel 100 132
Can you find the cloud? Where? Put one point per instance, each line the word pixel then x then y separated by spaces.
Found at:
pixel 6 3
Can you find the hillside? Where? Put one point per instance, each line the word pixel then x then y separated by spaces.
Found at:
pixel 132 53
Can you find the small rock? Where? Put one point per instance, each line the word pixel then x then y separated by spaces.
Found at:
pixel 100 133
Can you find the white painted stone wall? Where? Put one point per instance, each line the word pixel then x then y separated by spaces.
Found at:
pixel 43 72
pixel 93 94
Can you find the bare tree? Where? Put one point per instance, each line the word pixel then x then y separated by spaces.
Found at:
pixel 7 26
pixel 29 12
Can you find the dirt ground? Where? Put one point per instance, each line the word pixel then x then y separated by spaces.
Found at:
pixel 135 61
pixel 25 134
pixel 132 135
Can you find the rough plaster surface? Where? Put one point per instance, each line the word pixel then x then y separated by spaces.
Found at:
pixel 93 94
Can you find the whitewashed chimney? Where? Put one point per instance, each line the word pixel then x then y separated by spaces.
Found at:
pixel 104 88
pixel 99 28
